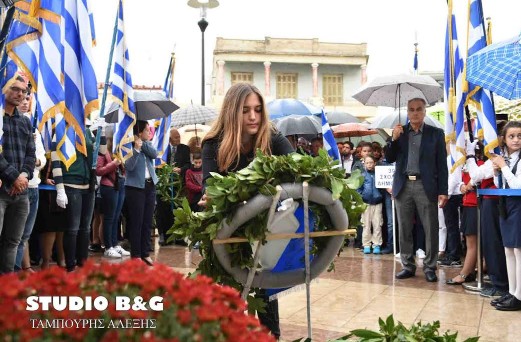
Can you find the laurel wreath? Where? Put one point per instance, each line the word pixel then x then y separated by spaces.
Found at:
pixel 226 193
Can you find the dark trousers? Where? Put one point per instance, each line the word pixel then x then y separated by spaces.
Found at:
pixel 451 211
pixel 164 217
pixel 411 198
pixel 13 214
pixel 79 215
pixel 492 244
pixel 111 204
pixel 270 319
pixel 418 234
pixel 389 217
pixel 140 205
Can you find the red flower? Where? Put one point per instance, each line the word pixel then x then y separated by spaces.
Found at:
pixel 201 310
pixel 184 316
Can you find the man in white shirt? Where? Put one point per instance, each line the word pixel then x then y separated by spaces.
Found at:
pixel 347 157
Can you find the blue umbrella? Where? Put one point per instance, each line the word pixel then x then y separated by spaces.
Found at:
pixel 497 68
pixel 283 107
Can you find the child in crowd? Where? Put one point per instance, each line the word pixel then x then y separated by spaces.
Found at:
pixel 493 250
pixel 194 181
pixel 469 224
pixel 510 220
pixel 372 216
pixel 365 149
pixel 358 164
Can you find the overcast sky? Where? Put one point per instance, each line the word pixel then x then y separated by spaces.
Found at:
pixel 389 27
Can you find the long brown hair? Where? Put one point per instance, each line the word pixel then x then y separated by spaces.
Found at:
pixel 228 126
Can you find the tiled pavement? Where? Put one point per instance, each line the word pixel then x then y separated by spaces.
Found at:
pixel 363 288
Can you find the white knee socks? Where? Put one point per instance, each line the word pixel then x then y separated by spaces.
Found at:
pixel 513 258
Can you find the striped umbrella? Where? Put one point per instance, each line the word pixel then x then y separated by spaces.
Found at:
pixel 497 68
pixel 193 114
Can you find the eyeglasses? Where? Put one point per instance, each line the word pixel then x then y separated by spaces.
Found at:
pixel 19 90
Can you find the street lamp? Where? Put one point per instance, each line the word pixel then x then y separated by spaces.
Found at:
pixel 203 24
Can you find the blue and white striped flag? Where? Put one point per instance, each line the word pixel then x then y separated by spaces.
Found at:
pixel 454 96
pixel 479 97
pixel 34 43
pixel 162 132
pixel 123 94
pixel 81 92
pixel 329 139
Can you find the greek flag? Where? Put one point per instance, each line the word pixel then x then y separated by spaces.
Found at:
pixel 7 76
pixel 454 96
pixel 34 44
pixel 123 94
pixel 329 139
pixel 162 132
pixel 479 97
pixel 81 93
pixel 415 62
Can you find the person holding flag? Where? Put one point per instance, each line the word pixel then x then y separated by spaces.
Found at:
pixel 486 130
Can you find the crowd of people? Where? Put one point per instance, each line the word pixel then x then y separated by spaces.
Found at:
pixel 436 205
pixel 77 209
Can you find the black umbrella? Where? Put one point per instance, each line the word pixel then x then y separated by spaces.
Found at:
pixel 149 105
pixel 298 124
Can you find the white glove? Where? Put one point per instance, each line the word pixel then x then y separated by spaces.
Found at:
pixel 471 147
pixel 99 122
pixel 61 198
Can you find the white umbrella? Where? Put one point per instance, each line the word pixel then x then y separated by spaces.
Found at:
pixel 189 131
pixel 193 114
pixel 390 120
pixel 396 91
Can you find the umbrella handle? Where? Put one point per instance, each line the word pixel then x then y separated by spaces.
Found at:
pixel 397 105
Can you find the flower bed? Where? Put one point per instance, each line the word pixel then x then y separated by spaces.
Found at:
pixel 193 309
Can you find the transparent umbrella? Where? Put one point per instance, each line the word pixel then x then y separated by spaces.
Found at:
pixel 193 114
pixel 396 91
pixel 391 119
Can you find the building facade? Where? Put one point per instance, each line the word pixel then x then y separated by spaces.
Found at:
pixel 324 74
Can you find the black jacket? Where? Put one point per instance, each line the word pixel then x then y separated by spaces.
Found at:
pixel 433 161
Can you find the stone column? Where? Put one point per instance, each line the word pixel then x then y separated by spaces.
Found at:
pixel 267 87
pixel 363 79
pixel 220 77
pixel 314 66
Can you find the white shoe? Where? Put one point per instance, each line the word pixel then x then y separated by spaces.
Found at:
pixel 121 251
pixel 397 255
pixel 420 253
pixel 112 253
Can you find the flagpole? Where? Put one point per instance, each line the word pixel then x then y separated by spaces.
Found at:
pixel 105 90
pixel 3 37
